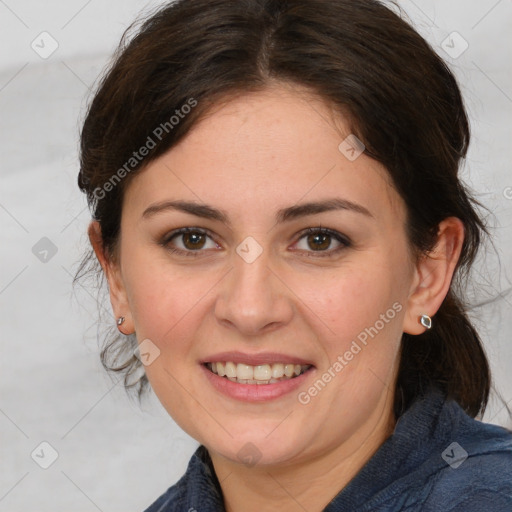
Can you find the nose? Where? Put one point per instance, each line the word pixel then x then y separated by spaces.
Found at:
pixel 253 299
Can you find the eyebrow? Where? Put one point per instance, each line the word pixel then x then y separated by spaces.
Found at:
pixel 283 215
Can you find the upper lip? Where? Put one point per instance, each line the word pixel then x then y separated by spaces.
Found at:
pixel 254 359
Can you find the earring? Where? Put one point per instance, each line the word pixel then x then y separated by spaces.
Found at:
pixel 120 320
pixel 426 321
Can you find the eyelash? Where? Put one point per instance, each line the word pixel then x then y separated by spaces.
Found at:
pixel 309 231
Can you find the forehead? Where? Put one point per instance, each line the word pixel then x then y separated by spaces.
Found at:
pixel 274 147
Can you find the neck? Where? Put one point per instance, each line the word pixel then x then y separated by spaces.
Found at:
pixel 308 484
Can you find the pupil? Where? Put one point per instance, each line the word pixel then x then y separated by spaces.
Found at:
pixel 193 238
pixel 322 238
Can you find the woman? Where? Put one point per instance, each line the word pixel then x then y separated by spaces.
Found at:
pixel 277 210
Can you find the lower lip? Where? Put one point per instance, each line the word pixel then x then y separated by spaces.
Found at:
pixel 255 392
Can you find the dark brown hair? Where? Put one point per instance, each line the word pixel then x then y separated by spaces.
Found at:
pixel 359 56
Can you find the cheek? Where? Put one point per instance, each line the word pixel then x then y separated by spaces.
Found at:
pixel 162 297
pixel 351 300
pixel 356 313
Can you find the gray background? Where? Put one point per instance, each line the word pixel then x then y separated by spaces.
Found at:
pixel 113 455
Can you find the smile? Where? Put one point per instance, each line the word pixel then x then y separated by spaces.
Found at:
pixel 256 383
pixel 259 374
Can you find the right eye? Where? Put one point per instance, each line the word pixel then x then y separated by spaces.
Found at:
pixel 190 241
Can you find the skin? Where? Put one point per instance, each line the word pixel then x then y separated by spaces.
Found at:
pixel 251 156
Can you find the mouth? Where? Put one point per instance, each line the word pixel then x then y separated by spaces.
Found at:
pixel 261 374
pixel 258 377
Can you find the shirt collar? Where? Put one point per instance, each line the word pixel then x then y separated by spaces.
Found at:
pixel 411 443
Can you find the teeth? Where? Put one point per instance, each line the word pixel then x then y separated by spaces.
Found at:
pixel 277 370
pixel 230 370
pixel 244 371
pixel 260 374
pixel 289 369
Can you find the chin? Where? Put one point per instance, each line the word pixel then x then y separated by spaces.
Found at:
pixel 258 449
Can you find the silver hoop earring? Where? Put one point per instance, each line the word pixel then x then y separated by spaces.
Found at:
pixel 120 320
pixel 426 321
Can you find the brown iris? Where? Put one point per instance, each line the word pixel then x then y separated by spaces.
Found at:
pixel 324 239
pixel 195 239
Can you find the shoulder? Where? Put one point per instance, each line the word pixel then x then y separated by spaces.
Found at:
pixel 482 500
pixel 484 478
pixel 476 469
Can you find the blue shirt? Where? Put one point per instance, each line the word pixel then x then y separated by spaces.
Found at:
pixel 437 459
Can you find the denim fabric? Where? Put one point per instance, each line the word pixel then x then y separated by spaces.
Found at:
pixel 416 469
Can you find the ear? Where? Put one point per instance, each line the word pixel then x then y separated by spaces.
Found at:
pixel 112 271
pixel 433 275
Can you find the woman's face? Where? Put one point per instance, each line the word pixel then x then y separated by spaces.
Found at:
pixel 249 284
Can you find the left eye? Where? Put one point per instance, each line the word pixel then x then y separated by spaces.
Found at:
pixel 321 239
